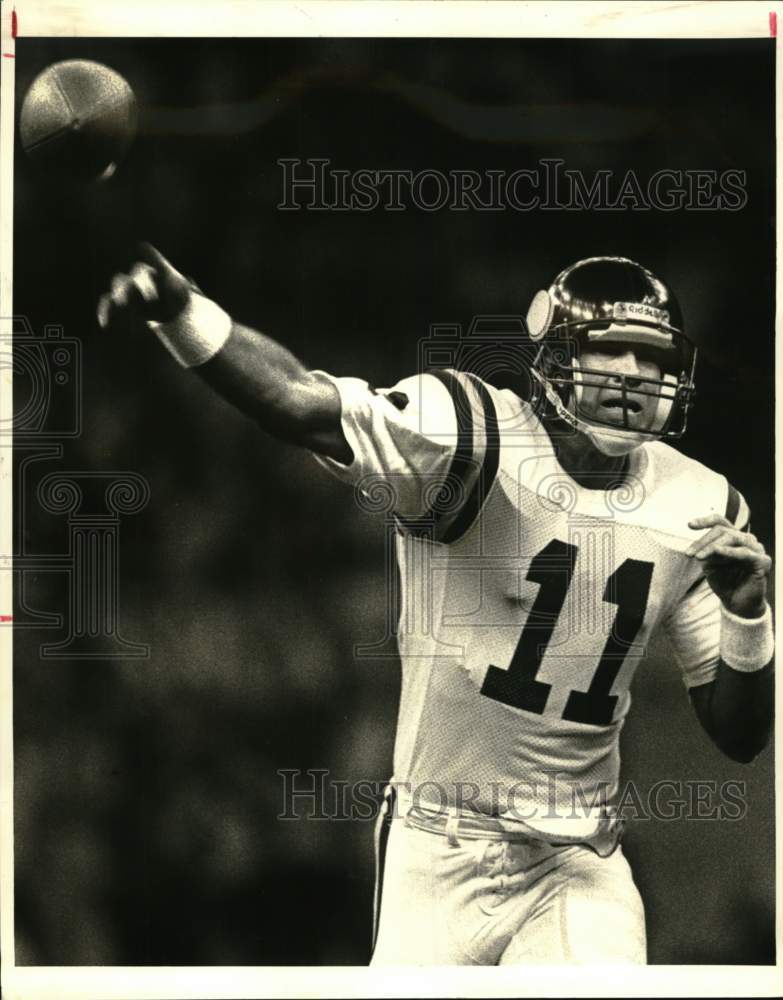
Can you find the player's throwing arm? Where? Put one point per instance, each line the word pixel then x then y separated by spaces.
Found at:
pixel 252 371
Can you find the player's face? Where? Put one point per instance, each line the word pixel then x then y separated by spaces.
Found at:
pixel 602 397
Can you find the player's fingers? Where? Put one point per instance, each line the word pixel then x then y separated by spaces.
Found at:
pixel 102 310
pixel 127 297
pixel 143 279
pixel 728 536
pixel 704 540
pixel 708 521
pixel 751 542
pixel 760 561
pixel 174 289
pixel 150 255
pixel 714 534
pixel 120 286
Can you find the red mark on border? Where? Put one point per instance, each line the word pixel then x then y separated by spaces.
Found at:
pixel 9 55
pixel 6 618
pixel 773 24
pixel 14 24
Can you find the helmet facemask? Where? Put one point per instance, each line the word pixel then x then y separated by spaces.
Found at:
pixel 623 419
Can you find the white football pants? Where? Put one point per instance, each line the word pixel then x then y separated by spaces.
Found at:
pixel 496 902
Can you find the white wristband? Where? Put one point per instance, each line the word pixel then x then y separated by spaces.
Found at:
pixel 197 334
pixel 746 644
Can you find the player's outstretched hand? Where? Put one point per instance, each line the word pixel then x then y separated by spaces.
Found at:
pixel 735 563
pixel 153 289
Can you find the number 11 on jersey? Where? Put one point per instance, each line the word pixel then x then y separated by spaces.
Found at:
pixel 552 569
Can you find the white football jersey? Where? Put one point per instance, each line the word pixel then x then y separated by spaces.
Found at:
pixel 528 600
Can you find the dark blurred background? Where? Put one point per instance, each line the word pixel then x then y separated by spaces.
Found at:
pixel 146 791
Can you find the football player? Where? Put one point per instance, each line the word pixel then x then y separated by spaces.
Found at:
pixel 540 543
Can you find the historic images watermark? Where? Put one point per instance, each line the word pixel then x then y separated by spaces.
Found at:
pixel 314 185
pixel 314 794
pixel 47 379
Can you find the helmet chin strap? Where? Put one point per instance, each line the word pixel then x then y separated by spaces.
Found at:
pixel 607 440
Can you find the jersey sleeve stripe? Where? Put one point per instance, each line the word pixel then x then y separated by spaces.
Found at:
pixel 489 466
pixel 732 504
pixel 462 464
pixel 737 510
pixel 463 455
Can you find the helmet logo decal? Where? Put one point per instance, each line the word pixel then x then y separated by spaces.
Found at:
pixel 639 310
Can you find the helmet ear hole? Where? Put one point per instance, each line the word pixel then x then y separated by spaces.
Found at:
pixel 539 315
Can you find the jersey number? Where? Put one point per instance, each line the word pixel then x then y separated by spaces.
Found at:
pixel 552 569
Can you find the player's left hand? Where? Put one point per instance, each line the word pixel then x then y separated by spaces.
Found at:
pixel 735 563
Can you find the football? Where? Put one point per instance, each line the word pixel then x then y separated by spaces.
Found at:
pixel 78 120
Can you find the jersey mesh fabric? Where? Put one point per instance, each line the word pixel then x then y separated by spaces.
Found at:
pixel 519 638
